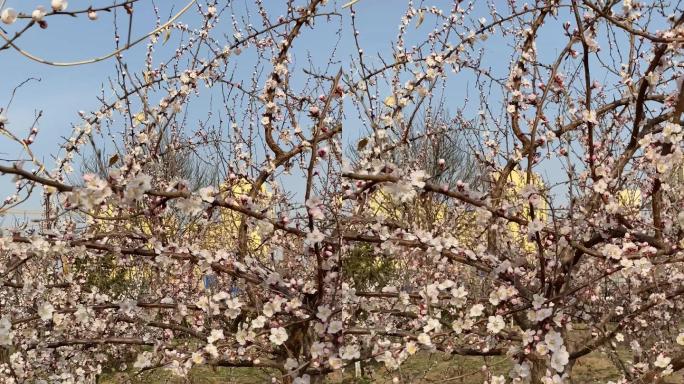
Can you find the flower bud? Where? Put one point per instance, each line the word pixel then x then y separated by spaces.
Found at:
pixel 38 14
pixel 8 16
pixel 59 5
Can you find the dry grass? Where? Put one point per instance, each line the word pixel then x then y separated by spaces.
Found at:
pixel 422 368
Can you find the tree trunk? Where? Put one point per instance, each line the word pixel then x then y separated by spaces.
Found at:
pixel 537 371
pixel 540 366
pixel 4 355
pixel 568 370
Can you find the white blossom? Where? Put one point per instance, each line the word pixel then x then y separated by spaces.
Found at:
pixel 314 237
pixel 350 352
pixel 554 340
pixel 190 206
pixel 143 360
pixel 476 310
pixel 207 194
pixel 6 334
pixel 8 15
pixel 680 339
pixel 38 14
pixel 662 361
pixel 495 324
pixel 216 334
pixel 559 359
pixel 45 311
pixel 137 187
pixel 335 326
pixel 278 336
pixel 424 339
pixel 59 5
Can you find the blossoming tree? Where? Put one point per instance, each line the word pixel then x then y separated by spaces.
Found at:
pixel 589 100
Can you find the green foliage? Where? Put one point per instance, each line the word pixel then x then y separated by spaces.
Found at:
pixel 115 280
pixel 366 269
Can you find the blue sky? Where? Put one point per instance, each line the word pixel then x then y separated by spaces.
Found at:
pixel 62 92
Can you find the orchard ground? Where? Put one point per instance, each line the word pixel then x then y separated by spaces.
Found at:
pixel 423 368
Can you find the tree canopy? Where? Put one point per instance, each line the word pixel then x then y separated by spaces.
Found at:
pixel 486 182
